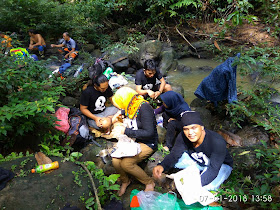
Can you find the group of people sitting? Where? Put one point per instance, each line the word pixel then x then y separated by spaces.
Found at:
pixel 193 144
pixel 37 43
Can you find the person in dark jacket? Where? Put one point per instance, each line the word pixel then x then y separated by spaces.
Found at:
pixel 204 148
pixel 143 128
pixel 173 107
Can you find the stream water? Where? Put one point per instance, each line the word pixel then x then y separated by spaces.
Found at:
pixel 190 81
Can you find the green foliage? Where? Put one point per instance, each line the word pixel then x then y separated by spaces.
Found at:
pixel 261 184
pixel 255 103
pixel 28 99
pixel 107 184
pixel 83 19
pixel 14 156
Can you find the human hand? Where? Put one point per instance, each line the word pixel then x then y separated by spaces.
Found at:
pixel 151 93
pixel 52 45
pixel 98 122
pixel 121 129
pixel 157 171
pixel 170 119
pixel 157 94
pixel 66 56
pixel 116 116
pixel 30 47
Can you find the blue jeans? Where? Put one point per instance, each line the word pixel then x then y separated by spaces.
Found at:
pixel 223 174
pixel 40 48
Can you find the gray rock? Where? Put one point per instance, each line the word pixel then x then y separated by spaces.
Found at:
pixel 184 69
pixel 252 135
pixel 70 101
pixel 43 191
pixel 205 68
pixel 89 48
pixel 205 115
pixel 148 50
pixel 166 61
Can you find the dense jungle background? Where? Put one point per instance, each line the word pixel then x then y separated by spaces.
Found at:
pixel 29 98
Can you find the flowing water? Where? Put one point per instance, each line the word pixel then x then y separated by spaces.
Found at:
pixel 190 81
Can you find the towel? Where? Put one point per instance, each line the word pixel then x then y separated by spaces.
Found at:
pixel 220 84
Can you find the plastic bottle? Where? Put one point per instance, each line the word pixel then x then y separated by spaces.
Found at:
pixel 107 72
pixel 79 70
pixel 45 167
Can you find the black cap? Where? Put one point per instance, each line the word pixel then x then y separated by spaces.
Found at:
pixel 190 118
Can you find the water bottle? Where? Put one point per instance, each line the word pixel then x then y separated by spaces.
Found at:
pixel 108 72
pixel 45 167
pixel 79 70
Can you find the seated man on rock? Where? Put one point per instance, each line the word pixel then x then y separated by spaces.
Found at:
pixel 69 46
pixel 37 42
pixel 203 148
pixel 146 81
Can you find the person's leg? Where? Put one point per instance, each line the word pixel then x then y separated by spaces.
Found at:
pixel 130 166
pixel 223 174
pixel 41 50
pixel 123 175
pixel 171 133
pixel 167 87
pixel 110 111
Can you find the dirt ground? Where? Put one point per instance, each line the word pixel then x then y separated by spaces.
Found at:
pixel 247 34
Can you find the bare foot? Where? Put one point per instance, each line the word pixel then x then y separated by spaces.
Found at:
pixel 150 187
pixel 123 188
pixel 166 148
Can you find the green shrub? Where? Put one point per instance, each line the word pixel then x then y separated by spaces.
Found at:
pixel 28 99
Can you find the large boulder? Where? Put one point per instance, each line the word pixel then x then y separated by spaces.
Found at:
pixel 43 191
pixel 148 50
pixel 166 62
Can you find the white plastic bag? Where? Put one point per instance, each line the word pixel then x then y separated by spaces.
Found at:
pixel 126 147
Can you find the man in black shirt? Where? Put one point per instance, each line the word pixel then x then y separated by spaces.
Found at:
pixel 146 80
pixel 93 101
pixel 204 148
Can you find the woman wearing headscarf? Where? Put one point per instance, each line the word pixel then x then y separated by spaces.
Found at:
pixel 143 128
pixel 173 105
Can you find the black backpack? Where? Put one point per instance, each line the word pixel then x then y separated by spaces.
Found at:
pixel 78 134
pixel 98 68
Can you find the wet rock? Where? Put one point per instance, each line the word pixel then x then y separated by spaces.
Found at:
pixel 178 89
pixel 252 136
pixel 184 69
pixel 148 50
pixel 197 102
pixel 206 116
pixel 70 102
pixel 166 61
pixel 205 68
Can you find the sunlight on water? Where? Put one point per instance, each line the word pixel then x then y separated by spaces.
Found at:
pixel 190 81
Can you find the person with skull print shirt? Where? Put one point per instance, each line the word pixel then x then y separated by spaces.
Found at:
pixel 145 81
pixel 93 101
